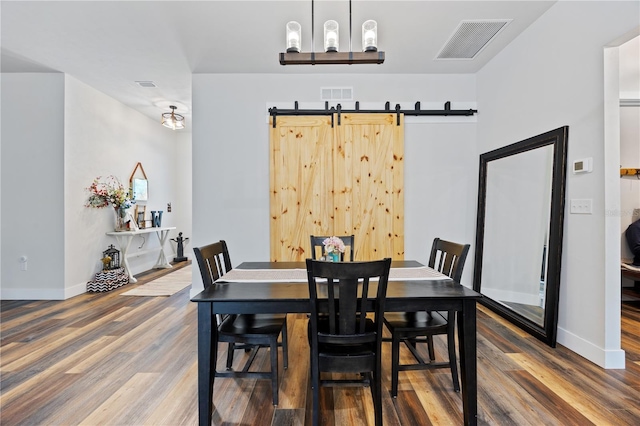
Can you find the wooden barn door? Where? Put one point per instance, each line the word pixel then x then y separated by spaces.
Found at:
pixel 337 181
pixel 301 200
pixel 369 184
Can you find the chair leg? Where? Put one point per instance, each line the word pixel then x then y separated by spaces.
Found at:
pixel 432 353
pixel 230 352
pixel 285 349
pixel 274 369
pixel 376 391
pixel 315 390
pixel 451 342
pixel 395 361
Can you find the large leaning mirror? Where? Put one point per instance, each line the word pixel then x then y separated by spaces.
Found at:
pixel 521 197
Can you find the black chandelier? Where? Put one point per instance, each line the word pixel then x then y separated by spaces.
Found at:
pixel 331 54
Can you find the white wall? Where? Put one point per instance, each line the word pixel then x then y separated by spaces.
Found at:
pixel 58 135
pixel 32 185
pixel 103 137
pixel 231 142
pixel 182 198
pixel 552 75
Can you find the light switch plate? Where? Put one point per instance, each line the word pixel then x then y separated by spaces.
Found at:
pixel 581 206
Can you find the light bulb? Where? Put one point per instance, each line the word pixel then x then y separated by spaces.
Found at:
pixel 370 36
pixel 293 37
pixel 331 36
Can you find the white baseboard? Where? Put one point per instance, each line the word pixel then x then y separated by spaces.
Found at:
pixel 31 294
pixel 605 358
pixel 42 294
pixel 75 290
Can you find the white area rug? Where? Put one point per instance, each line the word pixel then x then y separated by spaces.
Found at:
pixel 166 285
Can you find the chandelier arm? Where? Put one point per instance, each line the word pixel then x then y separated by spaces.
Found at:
pixel 350 27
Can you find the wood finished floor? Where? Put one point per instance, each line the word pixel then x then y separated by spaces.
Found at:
pixel 106 359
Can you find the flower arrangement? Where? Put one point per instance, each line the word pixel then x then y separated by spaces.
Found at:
pixel 109 192
pixel 333 245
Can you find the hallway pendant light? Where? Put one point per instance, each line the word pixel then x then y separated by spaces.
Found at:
pixel 331 54
pixel 172 120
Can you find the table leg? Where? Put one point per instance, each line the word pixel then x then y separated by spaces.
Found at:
pixel 124 241
pixel 207 358
pixel 468 360
pixel 162 262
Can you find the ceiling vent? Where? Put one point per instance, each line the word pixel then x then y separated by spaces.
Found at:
pixel 471 37
pixel 336 93
pixel 146 84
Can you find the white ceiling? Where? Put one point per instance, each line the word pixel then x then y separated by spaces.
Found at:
pixel 111 44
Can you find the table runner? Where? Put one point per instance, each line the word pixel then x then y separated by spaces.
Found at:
pixel 300 275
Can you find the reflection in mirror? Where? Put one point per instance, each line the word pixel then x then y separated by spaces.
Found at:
pixel 518 188
pixel 519 231
pixel 139 187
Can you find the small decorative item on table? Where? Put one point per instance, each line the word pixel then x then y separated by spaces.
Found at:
pixel 111 192
pixel 121 214
pixel 333 246
pixel 110 258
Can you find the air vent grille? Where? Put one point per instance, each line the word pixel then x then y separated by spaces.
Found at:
pixel 146 84
pixel 336 93
pixel 471 37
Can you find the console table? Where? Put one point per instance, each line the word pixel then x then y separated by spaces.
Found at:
pixel 125 238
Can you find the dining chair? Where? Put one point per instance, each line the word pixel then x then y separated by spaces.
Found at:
pixel 412 328
pixel 341 336
pixel 243 331
pixel 348 240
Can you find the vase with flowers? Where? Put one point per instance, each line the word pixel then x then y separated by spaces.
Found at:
pixel 111 192
pixel 333 246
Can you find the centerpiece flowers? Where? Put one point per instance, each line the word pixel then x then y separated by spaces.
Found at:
pixel 333 246
pixel 110 192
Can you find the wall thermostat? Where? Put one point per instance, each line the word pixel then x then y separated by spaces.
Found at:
pixel 584 165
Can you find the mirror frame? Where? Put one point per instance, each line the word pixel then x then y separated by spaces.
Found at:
pixel 132 180
pixel 558 138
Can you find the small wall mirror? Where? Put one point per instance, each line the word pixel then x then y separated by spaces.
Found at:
pixel 139 187
pixel 521 199
pixel 139 184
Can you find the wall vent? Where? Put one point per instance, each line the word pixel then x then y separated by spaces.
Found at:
pixel 336 93
pixel 146 84
pixel 470 37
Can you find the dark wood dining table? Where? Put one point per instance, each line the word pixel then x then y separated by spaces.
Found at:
pixel 293 297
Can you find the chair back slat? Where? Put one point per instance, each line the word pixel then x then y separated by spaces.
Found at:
pixel 365 297
pixel 213 261
pixel 348 293
pixel 448 258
